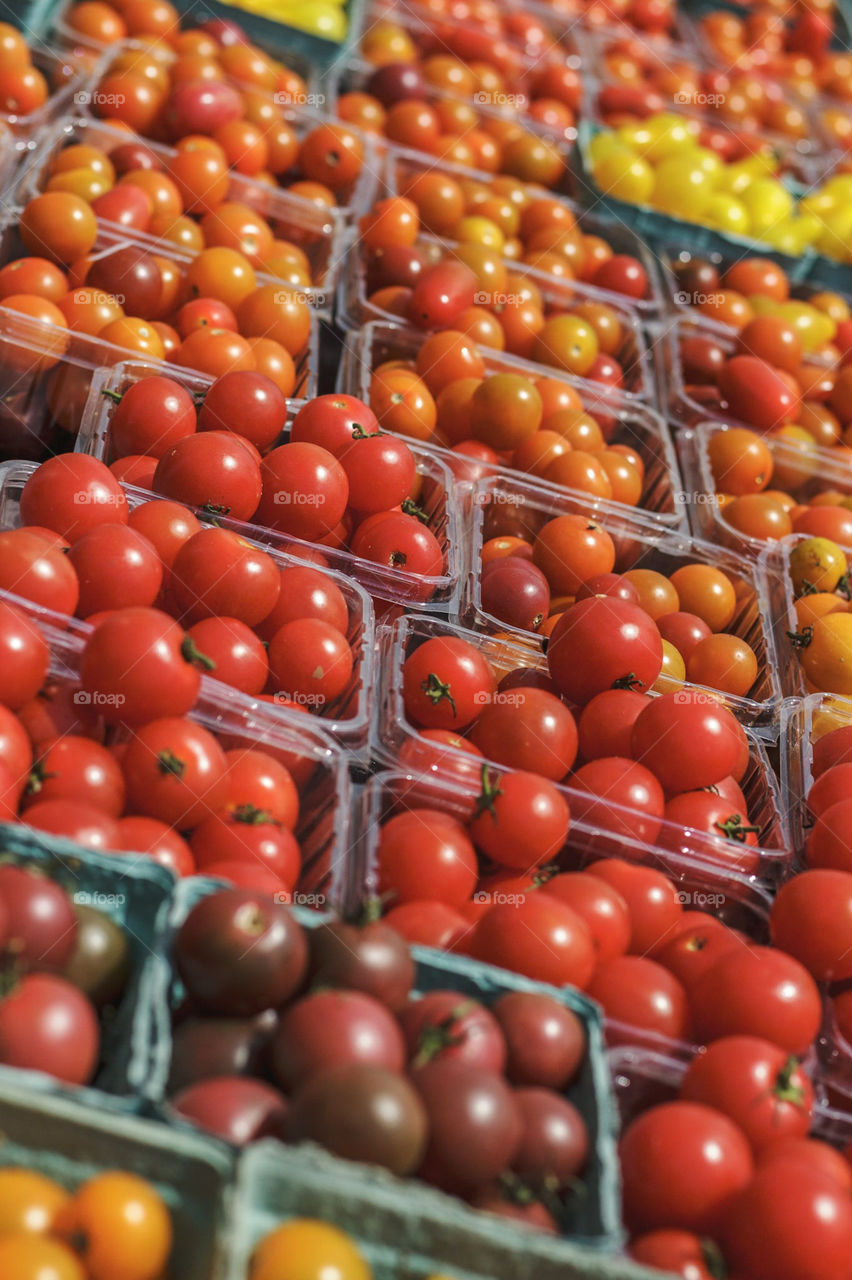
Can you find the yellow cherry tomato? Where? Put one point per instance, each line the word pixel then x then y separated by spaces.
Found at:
pixel 673 671
pixel 681 188
pixel 768 203
pixel 726 213
pixel 474 229
pixel 625 176
pixel 817 564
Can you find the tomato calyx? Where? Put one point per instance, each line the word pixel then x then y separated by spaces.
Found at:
pixel 358 433
pixel 436 690
pixel 213 511
pixel 115 396
pixel 735 829
pixel 631 682
pixel 785 1088
pixel 844 587
pixel 489 794
pixel 169 763
pixel 38 776
pixel 410 508
pixel 713 1260
pixel 193 655
pixel 801 639
pixel 438 1036
pixel 397 558
pixel 251 816
pixel 368 913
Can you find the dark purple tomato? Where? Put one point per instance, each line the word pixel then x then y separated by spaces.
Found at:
pixel 206 1047
pixel 371 958
pixel 396 82
pixel 555 1143
pixel 362 1112
pixel 239 953
pixel 475 1125
pixel 100 961
pixel 133 278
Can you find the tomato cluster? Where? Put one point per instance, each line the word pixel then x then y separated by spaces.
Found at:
pixel 767 487
pixel 184 196
pixel 67 962
pixel 466 1096
pixel 512 220
pixel 23 87
pixel 113 1224
pixel 822 634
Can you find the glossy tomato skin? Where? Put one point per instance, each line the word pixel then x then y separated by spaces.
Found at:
pixel 24 657
pixel 445 683
pixel 236 1109
pixel 810 919
pixel 535 733
pixel 757 991
pixel 538 936
pixel 425 853
pixel 329 1029
pixel 134 669
pixel 475 1125
pixel 606 723
pixel 240 953
pixel 603 643
pixel 757 1084
pixel 601 906
pixel 41 929
pixel 217 573
pixel 641 995
pixel 789 1223
pixel 441 1024
pixel 756 393
pixel 522 820
pixel 620 796
pixel 71 494
pixel 682 1253
pixel 372 958
pixel 46 1024
pixel 687 739
pixel 37 571
pixel 545 1040
pixel 680 1164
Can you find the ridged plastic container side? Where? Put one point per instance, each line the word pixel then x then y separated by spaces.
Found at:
pixel 45 378
pixel 592 1219
pixel 558 296
pixel 65 78
pixel 59 343
pixel 803 722
pixel 319 233
pixel 346 720
pixel 522 509
pixel 402 165
pixel 803 474
pixel 622 422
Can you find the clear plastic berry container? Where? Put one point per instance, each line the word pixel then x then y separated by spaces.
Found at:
pixel 803 722
pixel 59 343
pixel 319 233
pixel 65 78
pixel 399 744
pixel 806 473
pixel 517 507
pixel 626 422
pixel 401 166
pixel 558 296
pixel 346 720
